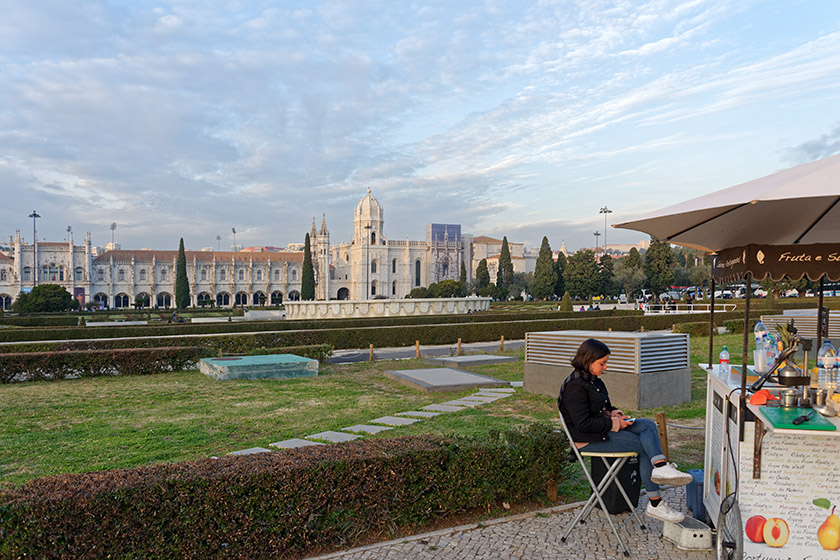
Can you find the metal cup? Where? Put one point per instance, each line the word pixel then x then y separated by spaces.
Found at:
pixel 820 397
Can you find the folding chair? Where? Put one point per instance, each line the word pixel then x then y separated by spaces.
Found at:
pixel 597 489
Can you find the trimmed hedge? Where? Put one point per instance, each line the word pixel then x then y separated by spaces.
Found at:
pixel 341 338
pixel 279 504
pixel 95 363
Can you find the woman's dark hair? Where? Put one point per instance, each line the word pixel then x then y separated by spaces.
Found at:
pixel 589 351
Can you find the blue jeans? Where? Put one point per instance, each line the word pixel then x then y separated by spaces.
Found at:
pixel 641 437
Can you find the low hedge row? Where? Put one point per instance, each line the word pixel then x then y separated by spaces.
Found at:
pixel 170 329
pixel 277 505
pixel 95 363
pixel 400 336
pixel 40 321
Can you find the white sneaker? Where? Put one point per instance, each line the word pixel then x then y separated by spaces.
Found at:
pixel 667 474
pixel 663 512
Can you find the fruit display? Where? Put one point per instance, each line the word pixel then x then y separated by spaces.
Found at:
pixel 776 532
pixel 829 532
pixel 754 528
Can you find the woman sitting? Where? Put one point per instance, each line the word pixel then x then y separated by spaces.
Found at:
pixel 597 426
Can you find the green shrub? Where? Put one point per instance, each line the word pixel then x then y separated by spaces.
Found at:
pixel 277 505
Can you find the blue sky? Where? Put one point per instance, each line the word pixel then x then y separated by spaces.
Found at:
pixel 185 119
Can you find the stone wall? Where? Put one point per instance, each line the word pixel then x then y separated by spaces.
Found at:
pixel 384 307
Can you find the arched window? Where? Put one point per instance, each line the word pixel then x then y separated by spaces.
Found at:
pixel 294 275
pixel 241 275
pixel 373 288
pixel 373 267
pixel 373 238
pixel 204 277
pixel 100 275
pixel 45 273
pixel 417 272
pixel 394 266
pixel 277 274
pixel 143 275
pixel 163 274
pixel 3 276
pixel 80 274
pixel 259 275
pixel 346 257
pixel 394 288
pixel 121 275
pixel 222 275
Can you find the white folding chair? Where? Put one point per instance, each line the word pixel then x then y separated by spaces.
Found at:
pixel 597 489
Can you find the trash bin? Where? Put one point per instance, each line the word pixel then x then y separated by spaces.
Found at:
pixel 694 495
pixel 629 478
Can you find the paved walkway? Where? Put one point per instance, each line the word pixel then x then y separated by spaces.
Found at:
pixel 534 536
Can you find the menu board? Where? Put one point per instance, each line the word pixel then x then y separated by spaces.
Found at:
pixel 789 512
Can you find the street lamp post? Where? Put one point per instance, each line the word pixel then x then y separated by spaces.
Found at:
pixel 605 211
pixel 233 229
pixel 34 215
pixel 219 241
pixel 597 234
pixel 367 260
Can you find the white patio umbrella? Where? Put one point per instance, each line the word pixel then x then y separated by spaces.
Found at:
pixel 798 206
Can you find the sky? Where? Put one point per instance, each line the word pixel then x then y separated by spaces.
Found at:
pixel 512 118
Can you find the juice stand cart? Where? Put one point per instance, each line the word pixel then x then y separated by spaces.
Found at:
pixel 769 484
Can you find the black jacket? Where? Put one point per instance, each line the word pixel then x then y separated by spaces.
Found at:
pixel 585 406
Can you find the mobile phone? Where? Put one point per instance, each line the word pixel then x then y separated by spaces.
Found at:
pixel 631 420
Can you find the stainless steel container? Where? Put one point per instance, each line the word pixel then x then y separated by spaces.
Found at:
pixel 789 398
pixel 819 397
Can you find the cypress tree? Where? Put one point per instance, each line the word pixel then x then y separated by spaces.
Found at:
pixel 633 260
pixel 581 275
pixel 307 280
pixel 504 276
pixel 482 275
pixel 182 285
pixel 658 261
pixel 545 273
pixel 560 267
pixel 463 280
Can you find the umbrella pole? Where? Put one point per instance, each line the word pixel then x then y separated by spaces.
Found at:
pixel 819 318
pixel 712 324
pixel 743 403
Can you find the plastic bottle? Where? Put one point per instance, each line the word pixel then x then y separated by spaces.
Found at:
pixel 724 361
pixel 761 356
pixel 825 365
pixel 760 333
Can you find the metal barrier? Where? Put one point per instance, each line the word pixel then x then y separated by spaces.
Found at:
pixel 683 308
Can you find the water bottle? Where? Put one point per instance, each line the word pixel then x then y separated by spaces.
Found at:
pixel 825 365
pixel 724 361
pixel 760 333
pixel 761 356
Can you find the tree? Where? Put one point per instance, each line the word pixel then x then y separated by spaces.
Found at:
pixel 445 289
pixel 582 278
pixel 633 259
pixel 463 280
pixel 566 302
pixel 420 292
pixel 482 275
pixel 545 273
pixel 631 279
pixel 609 287
pixel 522 283
pixel 45 298
pixel 658 260
pixel 182 285
pixel 307 279
pixel 505 274
pixel 560 267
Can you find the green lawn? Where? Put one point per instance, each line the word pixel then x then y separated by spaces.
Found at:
pixel 122 422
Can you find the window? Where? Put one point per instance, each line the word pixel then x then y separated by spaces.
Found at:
pixel 3 276
pixel 45 273
pixel 80 274
pixel 417 273
pixel 277 274
pixel 204 277
pixel 373 267
pixel 163 274
pixel 394 266
pixel 346 257
pixel 241 275
pixel 294 275
pixel 143 275
pixel 259 275
pixel 27 273
pixel 373 238
pixel 394 288
pixel 373 288
pixel 121 275
pixel 100 275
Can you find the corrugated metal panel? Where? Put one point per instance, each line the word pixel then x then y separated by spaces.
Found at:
pixel 629 352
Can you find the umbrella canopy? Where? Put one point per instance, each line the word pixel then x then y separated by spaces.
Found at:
pixel 798 206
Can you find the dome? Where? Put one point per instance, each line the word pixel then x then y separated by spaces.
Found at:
pixel 369 209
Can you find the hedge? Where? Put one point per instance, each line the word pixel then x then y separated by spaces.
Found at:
pixel 397 336
pixel 279 504
pixel 179 329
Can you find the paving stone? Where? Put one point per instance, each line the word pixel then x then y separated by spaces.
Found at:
pixel 479 398
pixel 470 360
pixel 462 402
pixel 394 421
pixel 497 396
pixel 516 383
pixel 419 413
pixel 442 379
pixel 334 437
pixel 443 408
pixel 250 451
pixel 365 429
pixel 504 390
pixel 293 443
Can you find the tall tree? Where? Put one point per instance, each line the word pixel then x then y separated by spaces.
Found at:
pixel 545 273
pixel 43 298
pixel 482 275
pixel 462 278
pixel 582 278
pixel 633 259
pixel 609 287
pixel 307 279
pixel 658 261
pixel 505 274
pixel 182 285
pixel 560 267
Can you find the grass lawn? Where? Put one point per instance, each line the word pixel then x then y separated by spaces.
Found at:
pixel 122 422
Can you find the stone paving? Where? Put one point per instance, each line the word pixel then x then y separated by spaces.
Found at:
pixel 535 536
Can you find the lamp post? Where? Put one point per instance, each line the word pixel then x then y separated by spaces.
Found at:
pixel 605 211
pixel 597 234
pixel 367 259
pixel 34 215
pixel 219 241
pixel 113 229
pixel 233 229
